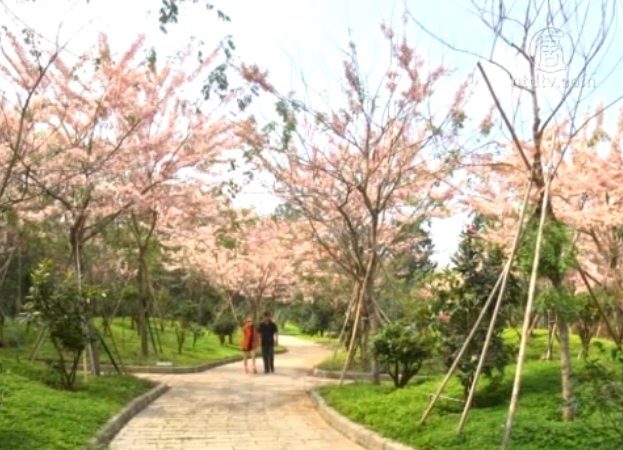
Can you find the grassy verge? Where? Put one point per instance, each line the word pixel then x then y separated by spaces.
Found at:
pixel 394 412
pixel 207 348
pixel 291 329
pixel 34 415
pixel 336 363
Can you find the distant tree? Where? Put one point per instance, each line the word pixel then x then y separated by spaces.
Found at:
pixel 405 272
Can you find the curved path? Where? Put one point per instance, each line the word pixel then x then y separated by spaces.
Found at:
pixel 226 409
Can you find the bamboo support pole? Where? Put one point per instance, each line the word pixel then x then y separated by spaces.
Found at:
pixel 85 368
pixel 353 338
pixel 38 343
pixel 604 317
pixel 348 315
pixel 526 322
pixel 458 357
pixel 496 309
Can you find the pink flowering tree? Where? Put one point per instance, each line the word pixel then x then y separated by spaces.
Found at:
pixel 539 106
pixel 182 139
pixel 92 109
pixel 360 172
pixel 80 171
pixel 588 200
pixel 24 81
pixel 24 67
pixel 580 212
pixel 118 134
pixel 184 215
pixel 250 257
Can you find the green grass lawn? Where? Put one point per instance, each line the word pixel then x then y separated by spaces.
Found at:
pixel 208 347
pixel 394 412
pixel 34 415
pixel 292 329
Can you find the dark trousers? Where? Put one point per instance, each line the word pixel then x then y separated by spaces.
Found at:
pixel 268 355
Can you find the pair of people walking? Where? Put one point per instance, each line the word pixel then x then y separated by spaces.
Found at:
pixel 266 334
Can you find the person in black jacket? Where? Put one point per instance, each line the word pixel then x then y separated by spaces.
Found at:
pixel 268 333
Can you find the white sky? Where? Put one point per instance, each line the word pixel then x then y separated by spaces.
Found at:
pixel 291 39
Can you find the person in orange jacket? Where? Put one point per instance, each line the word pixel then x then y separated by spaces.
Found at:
pixel 249 343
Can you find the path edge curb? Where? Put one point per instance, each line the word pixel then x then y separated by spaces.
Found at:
pixel 106 434
pixel 177 369
pixel 181 369
pixel 353 431
pixel 336 374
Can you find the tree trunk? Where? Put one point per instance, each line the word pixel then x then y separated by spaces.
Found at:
pixel 376 370
pixel 76 239
pixel 20 279
pixel 363 339
pixel 232 307
pixel 585 333
pixel 94 347
pixel 2 320
pixel 143 303
pixel 255 309
pixel 142 330
pixel 370 327
pixel 565 364
pixel 107 325
pixel 145 291
pixel 551 321
pixel 354 333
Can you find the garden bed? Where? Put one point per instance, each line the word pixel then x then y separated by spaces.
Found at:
pixel 35 415
pixel 394 413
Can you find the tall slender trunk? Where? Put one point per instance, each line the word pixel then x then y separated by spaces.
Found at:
pixel 2 320
pixel 355 330
pixel 565 364
pixel 76 240
pixel 232 307
pixel 20 278
pixel 145 291
pixel 143 303
pixel 255 309
pixel 371 324
pixel 551 321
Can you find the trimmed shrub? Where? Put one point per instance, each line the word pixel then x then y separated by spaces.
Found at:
pixel 224 327
pixel 402 349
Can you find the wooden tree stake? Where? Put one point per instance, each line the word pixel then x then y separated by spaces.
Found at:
pixel 353 337
pixel 526 322
pixel 496 310
pixel 458 357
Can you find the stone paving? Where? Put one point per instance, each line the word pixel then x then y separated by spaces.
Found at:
pixel 226 409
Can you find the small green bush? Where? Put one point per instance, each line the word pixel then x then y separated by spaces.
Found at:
pixel 62 306
pixel 224 327
pixel 601 389
pixel 403 349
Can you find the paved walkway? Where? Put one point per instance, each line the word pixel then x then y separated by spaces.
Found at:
pixel 226 409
